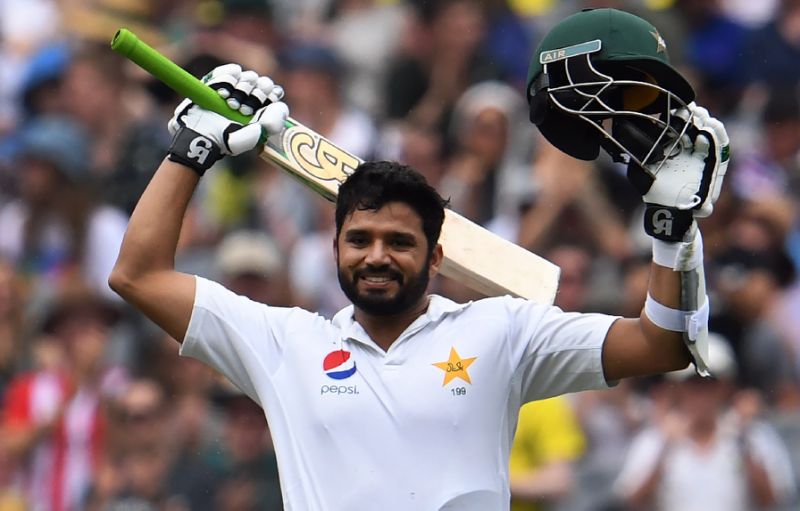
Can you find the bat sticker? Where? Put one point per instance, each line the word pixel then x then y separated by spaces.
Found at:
pixel 317 156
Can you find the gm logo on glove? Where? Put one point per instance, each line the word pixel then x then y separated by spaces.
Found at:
pixel 662 222
pixel 199 149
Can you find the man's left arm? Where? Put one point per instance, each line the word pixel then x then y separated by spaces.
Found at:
pixel 672 329
pixel 636 346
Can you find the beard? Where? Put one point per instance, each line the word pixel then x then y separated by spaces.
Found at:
pixel 380 304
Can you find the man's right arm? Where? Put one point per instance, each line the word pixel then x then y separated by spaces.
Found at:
pixel 144 274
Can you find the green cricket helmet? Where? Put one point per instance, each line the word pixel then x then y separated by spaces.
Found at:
pixel 602 78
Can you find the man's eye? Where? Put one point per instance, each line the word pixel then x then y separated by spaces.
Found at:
pixel 357 240
pixel 403 242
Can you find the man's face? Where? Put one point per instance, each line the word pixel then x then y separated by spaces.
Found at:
pixel 383 261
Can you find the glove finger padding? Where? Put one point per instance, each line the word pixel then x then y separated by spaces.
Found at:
pixel 223 79
pixel 240 96
pixel 239 139
pixel 267 120
pixel 175 122
pixel 717 165
pixel 272 117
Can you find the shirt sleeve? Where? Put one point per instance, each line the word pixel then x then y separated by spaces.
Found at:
pixel 556 352
pixel 242 339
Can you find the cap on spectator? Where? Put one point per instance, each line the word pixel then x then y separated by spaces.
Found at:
pixel 59 141
pixel 45 66
pixel 248 253
pixel 721 361
pixel 312 56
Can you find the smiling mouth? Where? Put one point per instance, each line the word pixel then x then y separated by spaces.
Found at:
pixel 378 279
pixel 375 279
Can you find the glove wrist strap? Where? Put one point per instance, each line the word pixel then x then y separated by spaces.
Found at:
pixel 682 256
pixel 193 150
pixel 666 223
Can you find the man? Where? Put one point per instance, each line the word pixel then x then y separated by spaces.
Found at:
pixel 403 400
pixel 547 442
pixel 52 425
pixel 709 449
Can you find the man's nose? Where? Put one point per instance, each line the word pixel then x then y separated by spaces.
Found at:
pixel 377 253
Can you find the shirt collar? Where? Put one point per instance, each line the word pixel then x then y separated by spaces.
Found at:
pixel 438 307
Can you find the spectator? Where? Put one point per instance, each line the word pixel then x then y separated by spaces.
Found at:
pixel 547 442
pixel 55 227
pixel 488 177
pixel 11 305
pixel 421 148
pixel 750 284
pixel 312 272
pixel 702 453
pixel 713 46
pixel 248 479
pixel 507 37
pixel 573 285
pixel 251 263
pixel 53 425
pixel 122 155
pixel 571 204
pixel 26 27
pixel 379 27
pixel 40 91
pixel 780 41
pixel 441 56
pixel 609 421
pixel 144 469
pixel 313 74
pixel 771 168
pixel 781 123
pixel 245 28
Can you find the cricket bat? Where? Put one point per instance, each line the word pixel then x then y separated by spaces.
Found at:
pixel 473 255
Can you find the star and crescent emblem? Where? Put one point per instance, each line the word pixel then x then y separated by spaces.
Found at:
pixel 662 45
pixel 455 367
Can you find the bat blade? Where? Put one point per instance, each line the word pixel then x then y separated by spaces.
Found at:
pixel 473 255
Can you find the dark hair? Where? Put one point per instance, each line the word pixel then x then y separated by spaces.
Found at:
pixel 375 183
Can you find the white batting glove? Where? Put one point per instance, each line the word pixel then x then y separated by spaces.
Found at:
pixel 688 184
pixel 201 137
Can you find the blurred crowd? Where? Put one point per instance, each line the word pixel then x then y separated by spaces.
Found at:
pixel 97 410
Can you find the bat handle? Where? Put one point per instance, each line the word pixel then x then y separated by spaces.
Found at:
pixel 175 77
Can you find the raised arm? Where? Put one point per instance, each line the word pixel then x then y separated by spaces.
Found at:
pixel 673 327
pixel 144 274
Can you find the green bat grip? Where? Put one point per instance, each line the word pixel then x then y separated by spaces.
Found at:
pixel 178 79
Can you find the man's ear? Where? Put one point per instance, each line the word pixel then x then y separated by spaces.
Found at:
pixel 436 260
pixel 335 249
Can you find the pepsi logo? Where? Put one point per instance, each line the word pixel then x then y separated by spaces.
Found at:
pixel 339 365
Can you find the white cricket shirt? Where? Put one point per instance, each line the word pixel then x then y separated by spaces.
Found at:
pixel 424 426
